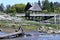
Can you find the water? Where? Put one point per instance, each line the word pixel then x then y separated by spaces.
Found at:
pixel 37 36
pixel 3 33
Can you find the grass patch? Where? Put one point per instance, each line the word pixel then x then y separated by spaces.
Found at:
pixel 32 25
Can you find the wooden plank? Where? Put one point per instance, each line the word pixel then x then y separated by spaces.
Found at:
pixel 7 35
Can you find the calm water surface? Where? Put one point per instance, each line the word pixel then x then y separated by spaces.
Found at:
pixel 37 36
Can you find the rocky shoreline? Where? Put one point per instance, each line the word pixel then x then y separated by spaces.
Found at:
pixel 45 30
pixel 49 30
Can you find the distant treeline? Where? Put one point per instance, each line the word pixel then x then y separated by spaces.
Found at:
pixel 22 8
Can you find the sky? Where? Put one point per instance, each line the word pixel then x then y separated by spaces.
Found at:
pixel 12 2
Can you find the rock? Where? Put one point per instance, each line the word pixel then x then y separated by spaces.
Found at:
pixel 50 31
pixel 50 28
pixel 0 29
pixel 28 35
pixel 57 31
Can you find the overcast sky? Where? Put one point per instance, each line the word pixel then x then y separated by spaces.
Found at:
pixel 11 2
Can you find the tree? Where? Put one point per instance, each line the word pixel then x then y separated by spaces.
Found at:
pixel 51 7
pixel 27 6
pixel 19 8
pixel 7 8
pixel 56 7
pixel 12 10
pixel 39 3
pixel 1 7
pixel 46 5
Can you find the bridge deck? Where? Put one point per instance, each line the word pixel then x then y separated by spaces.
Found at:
pixel 38 14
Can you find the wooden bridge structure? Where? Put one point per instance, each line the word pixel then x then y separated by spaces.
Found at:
pixel 36 15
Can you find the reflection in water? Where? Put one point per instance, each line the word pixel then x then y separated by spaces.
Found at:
pixel 37 36
pixel 3 33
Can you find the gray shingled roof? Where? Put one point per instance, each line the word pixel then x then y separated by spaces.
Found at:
pixel 35 7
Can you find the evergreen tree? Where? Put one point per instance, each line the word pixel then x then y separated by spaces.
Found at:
pixel 1 7
pixel 39 3
pixel 27 6
pixel 56 7
pixel 46 5
pixel 7 8
pixel 51 7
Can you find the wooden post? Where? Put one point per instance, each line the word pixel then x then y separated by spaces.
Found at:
pixel 55 19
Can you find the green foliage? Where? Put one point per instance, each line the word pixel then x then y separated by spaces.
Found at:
pixel 52 25
pixel 51 7
pixel 12 11
pixel 46 5
pixel 19 8
pixel 7 9
pixel 56 7
pixel 45 11
pixel 30 27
